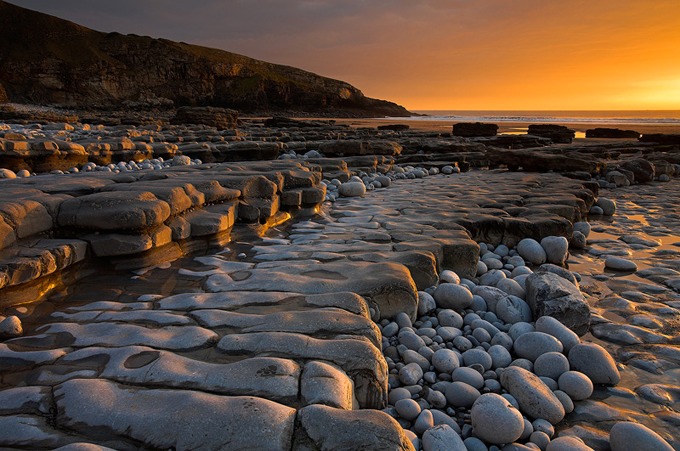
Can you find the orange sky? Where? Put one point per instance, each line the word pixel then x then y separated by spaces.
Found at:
pixel 435 54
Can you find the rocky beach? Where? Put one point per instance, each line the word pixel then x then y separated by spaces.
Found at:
pixel 216 281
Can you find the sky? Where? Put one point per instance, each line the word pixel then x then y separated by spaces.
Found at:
pixel 434 54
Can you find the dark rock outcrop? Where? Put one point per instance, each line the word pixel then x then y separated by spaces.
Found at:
pixel 394 127
pixel 661 138
pixel 642 169
pixel 613 133
pixel 557 133
pixel 470 130
pixel 220 118
pixel 46 60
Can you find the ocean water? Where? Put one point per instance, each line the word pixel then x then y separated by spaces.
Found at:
pixel 594 118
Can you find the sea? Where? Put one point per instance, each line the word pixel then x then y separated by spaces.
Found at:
pixel 664 121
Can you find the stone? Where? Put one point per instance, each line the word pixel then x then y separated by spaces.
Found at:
pixel 322 427
pixel 469 376
pixel 550 295
pixel 11 327
pixel 20 431
pixel 552 365
pixel 567 443
pixel 608 206
pixel 426 303
pixel 595 362
pixel 477 356
pixel 149 416
pixel 552 326
pixel 626 435
pixel 532 345
pixel 424 422
pixel 410 374
pixel 612 133
pixel 323 383
pixel 445 360
pixel 531 251
pixel 220 118
pixel 500 356
pixel 556 249
pixel 352 189
pixel 495 420
pixel 620 264
pixel 643 170
pixel 407 409
pixel 557 133
pixel 442 438
pixel 512 309
pixel 452 296
pixel 534 397
pixel 474 129
pixel 114 211
pixel 575 384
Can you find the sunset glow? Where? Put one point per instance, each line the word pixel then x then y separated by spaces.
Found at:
pixel 459 54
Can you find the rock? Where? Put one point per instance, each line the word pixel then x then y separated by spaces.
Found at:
pixel 626 435
pixel 513 310
pixel 469 376
pixel 326 384
pixel 322 427
pixel 346 147
pixel 608 206
pixel 424 422
pixel 577 385
pixel 394 127
pixel 661 138
pixel 550 295
pixel 477 357
pixel 552 326
pixel 512 287
pixel 220 118
pixel 410 374
pixel 407 409
pixel 426 303
pixel 578 240
pixel 582 227
pixel 562 272
pixel 557 133
pixel 442 438
pixel 552 365
pixel 452 296
pixel 10 327
pixel 495 420
pixel 445 360
pixel 148 416
pixel 613 133
pixel 533 344
pixel 352 189
pixel 531 251
pixel 476 129
pixel 450 318
pixel 7 174
pixel 500 356
pixel 643 170
pixel 556 249
pixel 534 397
pixel 567 443
pixel 620 264
pixel 595 362
pixel 448 276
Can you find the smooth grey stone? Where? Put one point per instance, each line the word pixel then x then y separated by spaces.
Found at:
pixel 493 263
pixel 324 427
pixel 633 436
pixel 513 309
pixel 469 318
pixel 410 356
pixel 478 304
pixel 620 264
pixel 540 438
pixel 481 268
pixel 408 409
pixel 474 444
pixel 494 420
pixel 453 296
pixel 83 447
pixel 551 326
pixel 534 397
pixel 511 287
pixel 608 206
pixel 582 227
pixel 502 339
pixel 450 318
pixel 500 356
pixel 460 394
pixel 25 400
pixel 448 276
pixel 410 374
pixel 323 383
pixel 566 401
pixel 551 295
pixel 518 329
pixel 575 384
pixel 352 189
pixel 426 303
pixel 481 335
pixel 528 429
pixel 533 344
pixel 398 394
pixel 448 333
pixel 410 339
pixel 578 240
pixel 523 363
pixel 551 364
pixel 403 320
pixel 492 277
pixel 550 383
pixel 462 344
pixel 424 422
pixel 492 385
pixel 486 325
pixel 10 327
pixel 562 272
pixel 436 399
pixel 26 431
pixel 491 295
pixel 477 356
pixel 531 251
pixel 445 360
pixel 511 399
pixel 568 443
pixel 542 425
pixel 595 362
pixel 390 330
pixel 469 376
pixel 556 249
pixel 442 418
pixel 442 438
pixel 520 270
pixel 149 416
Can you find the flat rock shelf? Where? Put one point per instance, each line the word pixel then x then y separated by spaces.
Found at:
pixel 273 341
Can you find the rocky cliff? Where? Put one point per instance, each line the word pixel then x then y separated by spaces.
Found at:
pixel 47 60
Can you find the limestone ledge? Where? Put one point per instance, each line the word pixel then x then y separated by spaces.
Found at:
pixel 50 222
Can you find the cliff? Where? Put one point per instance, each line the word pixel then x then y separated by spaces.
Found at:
pixel 47 60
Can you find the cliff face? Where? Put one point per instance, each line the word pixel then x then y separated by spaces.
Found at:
pixel 47 60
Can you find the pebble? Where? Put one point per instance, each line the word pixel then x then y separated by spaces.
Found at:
pixel 608 206
pixel 511 287
pixel 531 345
pixel 552 326
pixel 452 296
pixel 469 376
pixel 556 249
pixel 410 374
pixel 626 436
pixel 495 420
pixel 575 384
pixel 442 438
pixel 534 397
pixel 424 422
pixel 450 318
pixel 407 409
pixel 445 360
pixel 352 189
pixel 397 394
pixel 566 401
pixel 477 356
pixel 500 356
pixel 583 227
pixel 426 303
pixel 552 365
pixel 540 438
pixel 513 309
pixel 448 276
pixel 531 251
pixel 595 362
pixel 567 443
pixel 460 394
pixel 619 264
pixel 11 327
